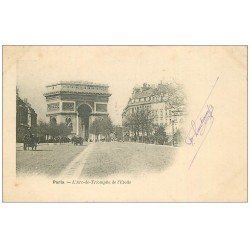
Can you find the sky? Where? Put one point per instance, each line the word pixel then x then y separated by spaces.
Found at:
pixel 121 68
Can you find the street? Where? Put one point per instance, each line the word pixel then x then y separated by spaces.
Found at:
pixel 93 160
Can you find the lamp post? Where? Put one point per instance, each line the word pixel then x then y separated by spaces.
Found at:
pixel 173 130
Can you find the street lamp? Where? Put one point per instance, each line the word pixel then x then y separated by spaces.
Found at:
pixel 173 130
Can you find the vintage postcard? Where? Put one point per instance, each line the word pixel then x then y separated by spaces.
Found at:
pixel 125 123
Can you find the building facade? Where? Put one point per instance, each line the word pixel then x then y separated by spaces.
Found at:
pixel 26 118
pixel 166 103
pixel 77 104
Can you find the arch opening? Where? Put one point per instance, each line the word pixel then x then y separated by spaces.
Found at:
pixel 83 113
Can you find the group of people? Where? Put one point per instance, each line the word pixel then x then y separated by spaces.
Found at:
pixel 59 139
pixel 30 140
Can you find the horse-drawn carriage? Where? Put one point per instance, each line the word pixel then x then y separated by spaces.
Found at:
pixel 77 140
pixel 30 141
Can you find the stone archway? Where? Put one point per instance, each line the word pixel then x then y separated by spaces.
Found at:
pixel 83 113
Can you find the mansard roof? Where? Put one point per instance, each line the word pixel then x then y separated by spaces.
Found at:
pixel 150 90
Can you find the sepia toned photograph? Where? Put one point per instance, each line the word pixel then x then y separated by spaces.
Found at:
pixel 125 123
pixel 77 122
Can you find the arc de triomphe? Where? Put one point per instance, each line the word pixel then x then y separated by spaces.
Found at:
pixel 77 104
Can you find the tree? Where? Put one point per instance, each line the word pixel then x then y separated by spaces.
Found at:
pixel 146 119
pixel 139 123
pixel 95 127
pixel 131 126
pixel 160 134
pixel 118 132
pixel 178 137
pixel 107 127
pixel 53 129
pixel 64 130
pixel 43 130
pixel 102 126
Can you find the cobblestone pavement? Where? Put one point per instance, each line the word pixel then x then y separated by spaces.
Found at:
pixel 107 159
pixel 94 160
pixel 49 159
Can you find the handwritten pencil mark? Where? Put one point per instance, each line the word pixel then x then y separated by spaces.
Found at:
pixel 201 126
